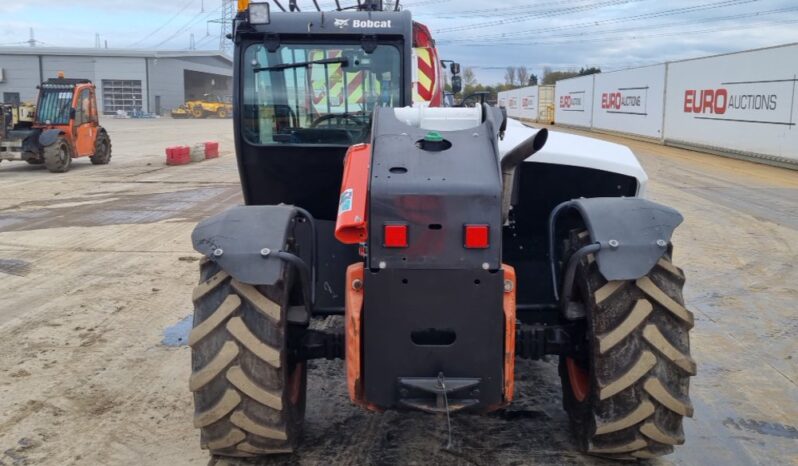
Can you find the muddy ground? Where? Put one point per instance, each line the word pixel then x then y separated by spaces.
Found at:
pixel 96 272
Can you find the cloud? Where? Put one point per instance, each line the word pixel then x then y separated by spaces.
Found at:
pixel 488 36
pixel 621 34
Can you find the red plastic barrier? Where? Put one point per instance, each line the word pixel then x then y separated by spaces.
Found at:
pixel 178 155
pixel 211 150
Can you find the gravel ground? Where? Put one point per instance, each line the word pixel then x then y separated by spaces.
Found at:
pixel 96 269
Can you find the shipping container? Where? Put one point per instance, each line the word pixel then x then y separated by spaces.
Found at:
pixel 546 104
pixel 630 101
pixel 528 103
pixel 741 103
pixel 574 101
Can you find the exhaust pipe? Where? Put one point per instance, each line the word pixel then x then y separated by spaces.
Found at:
pixel 513 159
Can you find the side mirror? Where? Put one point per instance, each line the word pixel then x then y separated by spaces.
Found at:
pixel 455 68
pixel 457 84
pixel 72 113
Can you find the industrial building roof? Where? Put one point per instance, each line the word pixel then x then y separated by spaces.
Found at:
pixel 99 52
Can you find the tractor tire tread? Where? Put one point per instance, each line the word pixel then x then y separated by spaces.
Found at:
pixel 640 362
pixel 104 158
pixel 243 400
pixel 52 157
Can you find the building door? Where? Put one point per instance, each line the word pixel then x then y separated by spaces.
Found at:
pixel 122 95
pixel 11 98
pixel 158 105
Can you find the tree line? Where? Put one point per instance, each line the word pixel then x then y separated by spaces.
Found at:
pixel 516 77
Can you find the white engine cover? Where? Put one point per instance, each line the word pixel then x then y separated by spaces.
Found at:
pixel 578 151
pixel 561 148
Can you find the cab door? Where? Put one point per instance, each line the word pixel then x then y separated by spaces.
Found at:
pixel 85 125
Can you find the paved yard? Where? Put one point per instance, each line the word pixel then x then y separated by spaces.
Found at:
pixel 96 265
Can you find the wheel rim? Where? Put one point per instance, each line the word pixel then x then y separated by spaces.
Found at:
pixel 64 154
pixel 579 380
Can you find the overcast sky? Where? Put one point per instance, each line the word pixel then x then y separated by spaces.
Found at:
pixel 562 34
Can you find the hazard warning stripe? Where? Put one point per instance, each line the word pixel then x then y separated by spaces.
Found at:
pixel 354 90
pixel 333 89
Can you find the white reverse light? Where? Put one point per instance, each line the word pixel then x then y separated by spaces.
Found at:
pixel 259 13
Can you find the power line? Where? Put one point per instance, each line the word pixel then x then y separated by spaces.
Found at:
pixel 649 27
pixel 539 14
pixel 198 17
pixel 225 24
pixel 504 11
pixel 623 19
pixel 645 36
pixel 205 40
pixel 162 26
pixel 423 3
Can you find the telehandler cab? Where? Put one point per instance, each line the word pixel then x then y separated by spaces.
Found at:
pixel 452 240
pixel 65 126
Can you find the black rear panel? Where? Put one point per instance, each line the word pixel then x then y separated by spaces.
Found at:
pixel 435 306
pixel 435 193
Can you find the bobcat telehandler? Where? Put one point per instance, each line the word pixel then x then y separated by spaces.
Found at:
pixel 452 240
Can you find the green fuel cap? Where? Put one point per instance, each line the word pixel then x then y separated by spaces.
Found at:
pixel 433 136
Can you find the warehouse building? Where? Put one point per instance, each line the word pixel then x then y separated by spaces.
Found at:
pixel 128 80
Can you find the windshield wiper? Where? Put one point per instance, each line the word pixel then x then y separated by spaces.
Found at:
pixel 343 61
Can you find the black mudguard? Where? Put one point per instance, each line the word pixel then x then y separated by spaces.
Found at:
pixel 236 239
pixel 633 233
pixel 48 137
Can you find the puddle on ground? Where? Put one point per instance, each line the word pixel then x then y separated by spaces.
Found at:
pixel 177 334
pixel 762 427
pixel 15 267
pixel 124 209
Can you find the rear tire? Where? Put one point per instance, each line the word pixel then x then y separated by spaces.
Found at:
pixel 198 112
pixel 222 113
pixel 102 149
pixel 249 393
pixel 627 394
pixel 58 156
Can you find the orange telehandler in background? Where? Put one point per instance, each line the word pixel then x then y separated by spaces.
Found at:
pixel 65 126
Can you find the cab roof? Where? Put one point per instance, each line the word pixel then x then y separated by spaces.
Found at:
pixel 62 82
pixel 358 23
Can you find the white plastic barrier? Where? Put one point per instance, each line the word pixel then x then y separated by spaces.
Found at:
pixel 630 101
pixel 744 103
pixel 574 101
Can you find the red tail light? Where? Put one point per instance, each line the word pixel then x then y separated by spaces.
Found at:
pixel 477 236
pixel 395 236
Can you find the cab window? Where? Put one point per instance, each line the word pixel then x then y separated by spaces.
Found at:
pixel 83 109
pixel 317 93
